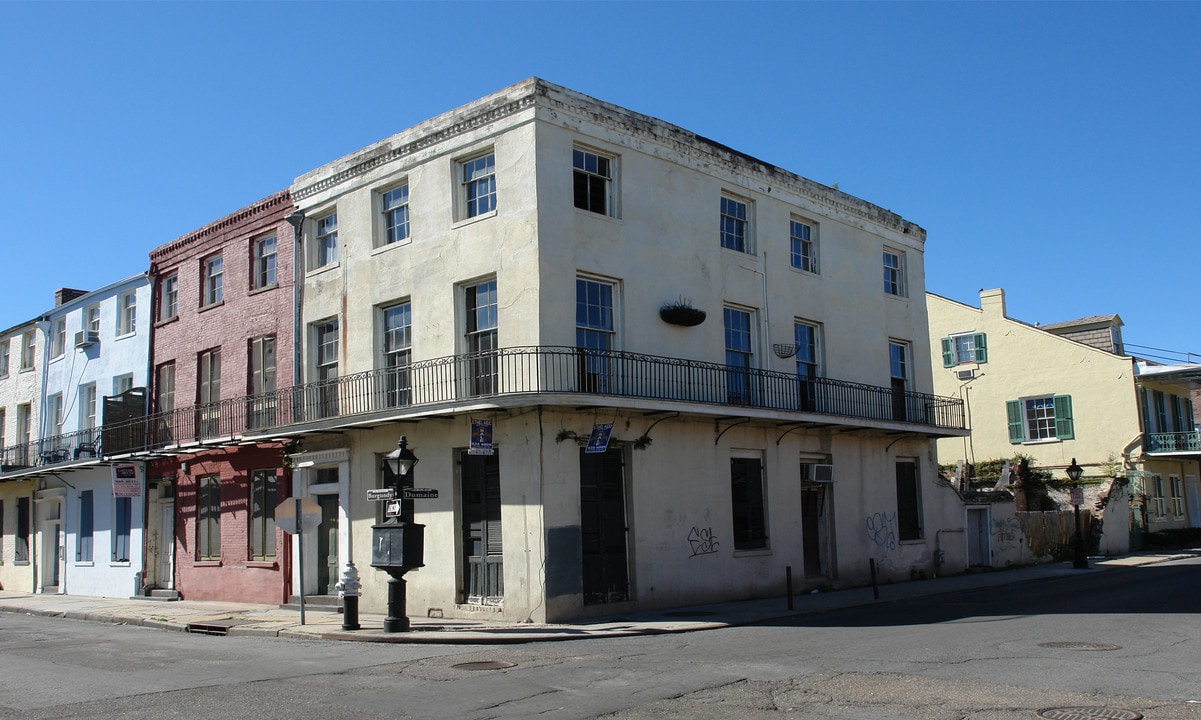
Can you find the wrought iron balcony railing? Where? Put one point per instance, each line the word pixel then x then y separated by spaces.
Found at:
pixel 525 371
pixel 1174 442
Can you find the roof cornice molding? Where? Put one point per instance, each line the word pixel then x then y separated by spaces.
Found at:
pixel 249 212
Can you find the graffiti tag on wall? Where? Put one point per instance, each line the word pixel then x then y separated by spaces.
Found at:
pixel 703 541
pixel 882 530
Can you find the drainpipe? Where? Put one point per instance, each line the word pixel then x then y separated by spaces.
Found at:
pixel 296 220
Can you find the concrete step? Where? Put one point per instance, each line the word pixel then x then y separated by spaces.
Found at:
pixel 315 603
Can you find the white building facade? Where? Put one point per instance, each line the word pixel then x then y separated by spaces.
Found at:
pixel 506 281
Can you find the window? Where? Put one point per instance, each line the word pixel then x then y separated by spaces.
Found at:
pixel 802 238
pixel 263 486
pixel 733 224
pixel 54 408
pixel 3 445
pixel 739 355
pixel 394 204
pixel 261 376
pixel 1177 496
pixel 805 339
pixel 592 181
pixel 21 551
pixel 91 318
pixel 164 398
pixel 87 410
pixel 24 428
pixel 168 298
pixel 594 333
pixel 127 312
pixel 398 341
pixel 1157 508
pixel 4 345
pixel 326 361
pixel 894 273
pixel 964 348
pixel 208 392
pixel 909 502
pixel 1048 417
pixel 264 273
pixel 327 240
pixel 28 342
pixel 122 526
pixel 479 185
pixel 83 544
pixel 58 338
pixel 212 277
pixel 122 384
pixel 208 519
pixel 747 502
pixel 898 370
pixel 481 337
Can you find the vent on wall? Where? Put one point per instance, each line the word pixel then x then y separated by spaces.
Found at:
pixel 823 473
pixel 965 374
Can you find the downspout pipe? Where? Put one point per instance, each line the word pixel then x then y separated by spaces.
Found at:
pixel 296 220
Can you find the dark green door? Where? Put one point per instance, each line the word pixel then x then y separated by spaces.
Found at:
pixel 483 580
pixel 327 545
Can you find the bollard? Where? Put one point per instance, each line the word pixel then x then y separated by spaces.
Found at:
pixel 875 587
pixel 788 584
pixel 348 587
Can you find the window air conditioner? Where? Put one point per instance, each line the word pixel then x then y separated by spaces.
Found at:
pixel 86 338
pixel 965 374
pixel 823 473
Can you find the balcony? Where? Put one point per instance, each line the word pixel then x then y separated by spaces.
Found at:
pixel 1177 442
pixel 594 377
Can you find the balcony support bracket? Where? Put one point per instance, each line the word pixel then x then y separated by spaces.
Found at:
pixel 717 427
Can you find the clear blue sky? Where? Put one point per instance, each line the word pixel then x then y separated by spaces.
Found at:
pixel 1051 149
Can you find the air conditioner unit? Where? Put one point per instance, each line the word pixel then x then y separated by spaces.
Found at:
pixel 823 473
pixel 86 338
pixel 965 374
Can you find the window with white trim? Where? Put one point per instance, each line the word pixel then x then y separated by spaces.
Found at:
pixel 738 327
pixel 58 338
pixel 122 383
pixel 735 224
pixel 208 518
pixel 394 209
pixel 28 349
pixel 592 181
pixel 960 348
pixel 397 331
pixel 87 407
pixel 263 486
pixel 594 332
pixel 168 298
pixel 1177 496
pixel 54 409
pixel 477 178
pixel 212 280
pixel 264 263
pixel 802 240
pixel 480 336
pixel 326 252
pixel 1040 418
pixel 122 528
pixel 91 318
pixel 894 273
pixel 1158 506
pixel 127 313
pixel 4 345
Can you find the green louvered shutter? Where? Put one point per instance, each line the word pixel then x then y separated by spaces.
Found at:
pixel 1064 428
pixel 948 352
pixel 981 347
pixel 1017 427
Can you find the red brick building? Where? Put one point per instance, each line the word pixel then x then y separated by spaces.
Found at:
pixel 223 329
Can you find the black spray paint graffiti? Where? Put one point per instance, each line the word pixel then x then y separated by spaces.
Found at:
pixel 881 529
pixel 703 542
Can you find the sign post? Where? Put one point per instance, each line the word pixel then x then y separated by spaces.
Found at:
pixel 294 516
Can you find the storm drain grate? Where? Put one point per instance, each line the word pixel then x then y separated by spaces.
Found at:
pixel 212 628
pixel 1070 645
pixel 1089 713
pixel 484 665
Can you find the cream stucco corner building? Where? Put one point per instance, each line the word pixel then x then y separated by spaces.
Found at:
pixel 537 268
pixel 1068 391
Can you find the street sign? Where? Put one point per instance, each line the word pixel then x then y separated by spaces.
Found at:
pixel 392 509
pixel 1077 496
pixel 382 494
pixel 418 493
pixel 297 514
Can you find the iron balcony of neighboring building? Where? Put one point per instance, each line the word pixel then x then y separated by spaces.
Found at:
pixel 1173 443
pixel 524 376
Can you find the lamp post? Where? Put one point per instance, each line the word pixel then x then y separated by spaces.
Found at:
pixel 1074 472
pixel 398 543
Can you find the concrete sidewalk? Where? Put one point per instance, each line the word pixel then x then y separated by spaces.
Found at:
pixel 222 618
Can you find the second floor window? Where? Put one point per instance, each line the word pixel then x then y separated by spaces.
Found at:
pixel 398 340
pixel 1047 417
pixel 733 224
pixel 164 390
pixel 481 336
pixel 479 185
pixel 212 281
pixel 327 240
pixel 594 331
pixel 964 348
pixel 739 354
pixel 127 313
pixel 4 345
pixel 168 300
pixel 395 206
pixel 58 338
pixel 264 274
pixel 87 406
pixel 54 408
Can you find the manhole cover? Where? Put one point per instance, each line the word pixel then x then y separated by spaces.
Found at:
pixel 1070 645
pixel 1087 713
pixel 689 613
pixel 485 665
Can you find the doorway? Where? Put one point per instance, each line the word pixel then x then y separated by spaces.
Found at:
pixel 603 527
pixel 979 552
pixel 49 548
pixel 815 528
pixel 483 579
pixel 327 545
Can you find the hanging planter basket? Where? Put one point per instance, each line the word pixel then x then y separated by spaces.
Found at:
pixel 683 315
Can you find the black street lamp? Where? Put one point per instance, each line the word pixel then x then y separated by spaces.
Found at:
pixel 1074 472
pixel 398 543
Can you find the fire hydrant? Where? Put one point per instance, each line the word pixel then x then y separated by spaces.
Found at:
pixel 348 587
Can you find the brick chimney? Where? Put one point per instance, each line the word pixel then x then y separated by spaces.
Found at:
pixel 66 295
